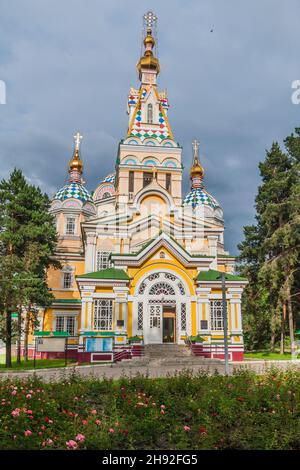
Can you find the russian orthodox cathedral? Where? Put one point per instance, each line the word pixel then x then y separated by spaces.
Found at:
pixel 141 262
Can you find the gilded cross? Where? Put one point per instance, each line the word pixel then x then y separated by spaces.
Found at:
pixel 77 138
pixel 195 145
pixel 150 18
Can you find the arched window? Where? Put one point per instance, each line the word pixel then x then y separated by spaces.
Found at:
pixel 162 288
pixel 150 113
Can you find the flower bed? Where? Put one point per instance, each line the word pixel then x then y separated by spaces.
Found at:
pixel 244 411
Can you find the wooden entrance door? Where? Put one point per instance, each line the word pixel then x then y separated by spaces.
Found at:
pixel 169 325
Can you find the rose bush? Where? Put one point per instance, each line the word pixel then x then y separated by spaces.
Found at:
pixel 243 411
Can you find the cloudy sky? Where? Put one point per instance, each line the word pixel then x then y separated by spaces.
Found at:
pixel 68 65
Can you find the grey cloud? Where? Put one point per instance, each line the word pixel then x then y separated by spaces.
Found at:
pixel 69 65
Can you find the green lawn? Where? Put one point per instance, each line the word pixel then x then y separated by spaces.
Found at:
pixel 40 364
pixel 267 355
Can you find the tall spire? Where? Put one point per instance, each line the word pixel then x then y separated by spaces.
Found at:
pixel 148 65
pixel 196 171
pixel 75 164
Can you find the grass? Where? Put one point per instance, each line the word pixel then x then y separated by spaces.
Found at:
pixel 40 364
pixel 267 355
pixel 243 411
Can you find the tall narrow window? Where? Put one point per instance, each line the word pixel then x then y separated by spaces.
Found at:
pixel 216 315
pixel 150 114
pixel 70 226
pixel 66 323
pixel 147 178
pixel 103 260
pixel 103 312
pixel 168 182
pixel 59 323
pixel 131 182
pixel 67 280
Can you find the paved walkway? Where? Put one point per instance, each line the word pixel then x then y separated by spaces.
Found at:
pixel 118 371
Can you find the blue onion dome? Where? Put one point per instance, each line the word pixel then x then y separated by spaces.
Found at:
pixel 74 190
pixel 109 178
pixel 199 196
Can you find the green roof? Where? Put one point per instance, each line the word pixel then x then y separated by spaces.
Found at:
pixel 67 301
pixel 110 273
pixel 212 275
pixel 102 333
pixel 226 256
pixel 52 333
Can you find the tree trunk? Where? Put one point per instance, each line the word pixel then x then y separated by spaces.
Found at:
pixel 26 334
pixel 290 317
pixel 273 338
pixel 19 334
pixel 8 338
pixel 282 333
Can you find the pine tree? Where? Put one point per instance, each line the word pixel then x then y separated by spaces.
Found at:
pixel 26 227
pixel 270 251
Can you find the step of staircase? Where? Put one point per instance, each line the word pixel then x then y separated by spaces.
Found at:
pixel 165 355
pixel 166 350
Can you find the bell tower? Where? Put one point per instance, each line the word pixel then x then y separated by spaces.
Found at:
pixel 149 150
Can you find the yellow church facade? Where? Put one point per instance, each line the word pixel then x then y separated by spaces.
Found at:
pixel 141 262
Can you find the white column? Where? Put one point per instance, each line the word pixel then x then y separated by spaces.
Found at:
pixel 235 301
pixel 203 299
pixel 212 247
pixel 90 252
pixel 121 307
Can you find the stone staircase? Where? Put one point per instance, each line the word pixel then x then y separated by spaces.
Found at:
pixel 167 354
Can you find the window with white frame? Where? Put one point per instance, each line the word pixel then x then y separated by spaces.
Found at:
pixel 70 226
pixel 216 315
pixel 103 314
pixel 67 280
pixel 66 323
pixel 103 260
pixel 150 113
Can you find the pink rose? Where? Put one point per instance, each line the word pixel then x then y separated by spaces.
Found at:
pixel 98 422
pixel 94 412
pixel 186 428
pixel 84 422
pixel 71 444
pixel 27 433
pixel 111 430
pixel 80 438
pixel 15 413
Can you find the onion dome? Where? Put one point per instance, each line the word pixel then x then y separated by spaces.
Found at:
pixel 109 178
pixel 74 189
pixel 148 61
pixel 198 195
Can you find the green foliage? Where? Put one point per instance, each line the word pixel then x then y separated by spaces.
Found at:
pixel 27 244
pixel 196 339
pixel 180 412
pixel 269 254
